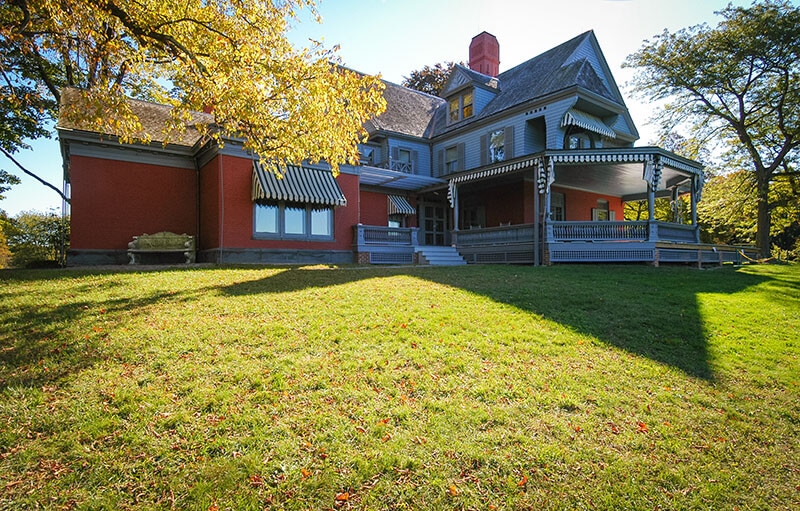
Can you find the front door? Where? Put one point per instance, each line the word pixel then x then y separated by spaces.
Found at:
pixel 435 225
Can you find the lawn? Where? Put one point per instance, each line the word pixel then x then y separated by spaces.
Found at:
pixel 568 387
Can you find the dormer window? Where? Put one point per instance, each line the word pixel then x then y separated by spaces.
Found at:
pixel 466 109
pixel 460 107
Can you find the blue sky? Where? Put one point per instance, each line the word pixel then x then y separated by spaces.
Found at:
pixel 394 37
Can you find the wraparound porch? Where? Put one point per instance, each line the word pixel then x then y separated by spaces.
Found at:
pixel 560 242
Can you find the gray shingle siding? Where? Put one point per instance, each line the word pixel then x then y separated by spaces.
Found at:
pixel 526 97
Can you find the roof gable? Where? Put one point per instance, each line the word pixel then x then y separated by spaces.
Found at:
pixel 461 76
pixel 578 62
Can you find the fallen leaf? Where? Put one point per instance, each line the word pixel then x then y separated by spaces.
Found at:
pixel 614 428
pixel 452 491
pixel 522 482
pixel 305 473
pixel 342 497
pixel 641 427
pixel 256 480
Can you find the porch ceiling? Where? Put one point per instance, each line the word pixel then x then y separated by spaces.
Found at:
pixel 614 179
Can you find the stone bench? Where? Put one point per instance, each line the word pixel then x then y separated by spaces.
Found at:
pixel 162 243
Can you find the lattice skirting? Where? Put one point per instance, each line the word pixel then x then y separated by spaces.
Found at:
pixel 501 254
pixel 391 258
pixel 565 255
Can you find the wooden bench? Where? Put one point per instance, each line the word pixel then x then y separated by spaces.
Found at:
pixel 162 243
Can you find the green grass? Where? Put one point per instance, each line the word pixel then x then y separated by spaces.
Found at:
pixel 569 387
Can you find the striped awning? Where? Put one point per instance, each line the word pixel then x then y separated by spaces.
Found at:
pixel 588 122
pixel 298 184
pixel 399 205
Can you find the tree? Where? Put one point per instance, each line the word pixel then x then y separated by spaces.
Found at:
pixel 6 180
pixel 738 83
pixel 429 79
pixel 287 104
pixel 727 211
pixel 36 239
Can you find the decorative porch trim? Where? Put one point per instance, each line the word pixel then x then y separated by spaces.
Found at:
pixel 589 122
pixel 495 170
pixel 297 184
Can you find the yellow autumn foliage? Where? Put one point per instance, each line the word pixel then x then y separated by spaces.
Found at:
pixel 287 104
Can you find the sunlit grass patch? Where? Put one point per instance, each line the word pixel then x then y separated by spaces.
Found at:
pixel 379 388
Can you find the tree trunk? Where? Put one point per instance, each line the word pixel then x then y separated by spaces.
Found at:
pixel 763 214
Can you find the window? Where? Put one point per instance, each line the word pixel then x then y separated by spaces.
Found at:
pixel 601 212
pixel 497 146
pixel 466 109
pixel 451 159
pixel 578 141
pixel 397 221
pixel 454 109
pixel 557 209
pixel 293 220
pixel 460 107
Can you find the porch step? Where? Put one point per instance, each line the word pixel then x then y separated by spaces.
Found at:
pixel 440 256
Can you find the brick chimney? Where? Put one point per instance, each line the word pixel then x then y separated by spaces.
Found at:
pixel 484 54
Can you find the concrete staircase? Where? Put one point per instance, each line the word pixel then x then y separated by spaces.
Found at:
pixel 439 256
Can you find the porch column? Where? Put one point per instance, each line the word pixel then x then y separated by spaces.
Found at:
pixel 697 187
pixel 551 177
pixel 652 175
pixel 452 195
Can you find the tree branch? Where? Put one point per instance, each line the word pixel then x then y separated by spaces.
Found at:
pixel 23 169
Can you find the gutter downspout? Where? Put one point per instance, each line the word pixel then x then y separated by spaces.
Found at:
pixel 221 208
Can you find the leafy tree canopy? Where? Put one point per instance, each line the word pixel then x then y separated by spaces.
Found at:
pixel 286 104
pixel 429 79
pixel 738 84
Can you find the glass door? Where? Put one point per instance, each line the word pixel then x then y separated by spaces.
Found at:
pixel 435 225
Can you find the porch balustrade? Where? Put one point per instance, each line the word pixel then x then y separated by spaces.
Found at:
pixel 680 233
pixel 621 231
pixel 597 231
pixel 399 166
pixel 378 235
pixel 493 235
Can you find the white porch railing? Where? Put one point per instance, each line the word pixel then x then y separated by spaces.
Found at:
pixel 597 231
pixel 621 231
pixel 494 235
pixel 378 235
pixel 680 233
pixel 400 166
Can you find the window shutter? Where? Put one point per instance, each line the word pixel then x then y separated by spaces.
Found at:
pixel 414 160
pixel 508 136
pixel 484 149
pixel 440 162
pixel 395 153
pixel 461 147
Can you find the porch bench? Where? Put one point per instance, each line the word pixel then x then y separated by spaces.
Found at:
pixel 162 243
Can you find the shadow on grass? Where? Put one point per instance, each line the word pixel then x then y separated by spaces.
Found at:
pixel 646 311
pixel 33 350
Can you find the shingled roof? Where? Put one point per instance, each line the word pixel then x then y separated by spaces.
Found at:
pixel 554 70
pixel 408 112
pixel 152 116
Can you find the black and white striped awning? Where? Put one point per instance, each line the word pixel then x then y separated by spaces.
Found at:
pixel 399 205
pixel 298 184
pixel 588 122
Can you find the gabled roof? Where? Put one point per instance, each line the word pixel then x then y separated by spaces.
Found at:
pixel 461 76
pixel 560 68
pixel 153 117
pixel 408 112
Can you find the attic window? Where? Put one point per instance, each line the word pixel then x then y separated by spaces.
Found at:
pixel 460 107
pixel 466 109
